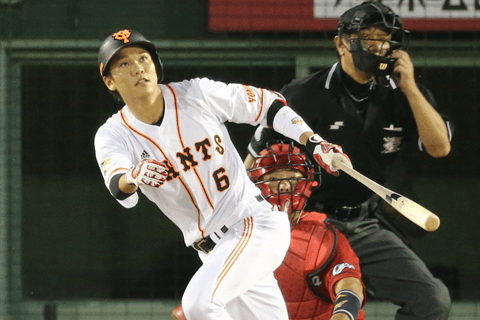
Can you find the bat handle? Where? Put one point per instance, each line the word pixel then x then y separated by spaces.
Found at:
pixel 340 162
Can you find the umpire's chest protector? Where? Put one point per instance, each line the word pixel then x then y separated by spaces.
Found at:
pixel 300 275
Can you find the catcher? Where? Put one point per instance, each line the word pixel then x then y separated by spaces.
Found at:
pixel 320 277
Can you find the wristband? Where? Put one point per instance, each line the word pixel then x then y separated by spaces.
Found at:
pixel 290 124
pixel 349 303
pixel 312 142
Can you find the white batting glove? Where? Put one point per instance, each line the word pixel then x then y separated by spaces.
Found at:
pixel 149 172
pixel 323 152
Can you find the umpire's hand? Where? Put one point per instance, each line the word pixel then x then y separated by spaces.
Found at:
pixel 403 71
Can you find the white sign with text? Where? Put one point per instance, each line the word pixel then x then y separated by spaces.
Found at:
pixel 407 9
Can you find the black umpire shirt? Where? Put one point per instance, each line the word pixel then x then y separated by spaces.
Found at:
pixel 372 132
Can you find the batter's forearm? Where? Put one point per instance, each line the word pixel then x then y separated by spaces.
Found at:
pixel 125 187
pixel 304 137
pixel 287 122
pixel 120 190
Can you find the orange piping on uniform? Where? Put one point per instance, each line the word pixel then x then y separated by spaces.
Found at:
pixel 247 234
pixel 280 97
pixel 163 153
pixel 210 202
pixel 261 104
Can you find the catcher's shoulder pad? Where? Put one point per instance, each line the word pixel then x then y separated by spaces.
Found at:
pixel 322 246
pixel 310 250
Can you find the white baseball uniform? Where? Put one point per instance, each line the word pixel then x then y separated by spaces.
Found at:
pixel 206 192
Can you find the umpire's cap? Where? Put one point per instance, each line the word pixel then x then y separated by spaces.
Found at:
pixel 124 38
pixel 370 13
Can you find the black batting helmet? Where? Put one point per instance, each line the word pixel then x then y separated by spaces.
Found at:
pixel 371 13
pixel 124 38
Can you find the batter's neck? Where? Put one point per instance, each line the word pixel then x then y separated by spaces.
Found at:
pixel 148 110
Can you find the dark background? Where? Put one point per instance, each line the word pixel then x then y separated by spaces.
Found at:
pixel 79 243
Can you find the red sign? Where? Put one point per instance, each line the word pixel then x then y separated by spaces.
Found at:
pixel 316 15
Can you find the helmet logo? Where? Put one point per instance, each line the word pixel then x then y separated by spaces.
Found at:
pixel 383 66
pixel 122 35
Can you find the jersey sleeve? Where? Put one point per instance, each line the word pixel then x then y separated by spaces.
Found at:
pixel 344 264
pixel 238 103
pixel 113 158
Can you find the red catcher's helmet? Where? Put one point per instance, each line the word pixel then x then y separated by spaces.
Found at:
pixel 285 155
pixel 124 38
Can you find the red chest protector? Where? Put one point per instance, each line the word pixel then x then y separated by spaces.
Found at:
pixel 312 247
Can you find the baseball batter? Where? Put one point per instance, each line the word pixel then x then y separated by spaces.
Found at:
pixel 170 142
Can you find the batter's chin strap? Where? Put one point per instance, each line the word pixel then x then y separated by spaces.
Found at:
pixel 349 303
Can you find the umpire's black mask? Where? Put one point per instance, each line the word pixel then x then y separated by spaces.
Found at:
pixel 369 62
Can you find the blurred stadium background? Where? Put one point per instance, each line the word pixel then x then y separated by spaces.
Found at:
pixel 69 251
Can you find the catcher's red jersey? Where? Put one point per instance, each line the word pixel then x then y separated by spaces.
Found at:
pixel 318 257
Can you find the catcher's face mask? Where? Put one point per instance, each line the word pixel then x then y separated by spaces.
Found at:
pixel 285 176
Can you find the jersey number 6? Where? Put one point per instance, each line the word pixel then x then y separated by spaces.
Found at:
pixel 221 179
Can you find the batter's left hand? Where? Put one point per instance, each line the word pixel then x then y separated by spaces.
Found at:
pixel 148 172
pixel 403 71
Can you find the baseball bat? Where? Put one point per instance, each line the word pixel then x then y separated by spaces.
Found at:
pixel 408 208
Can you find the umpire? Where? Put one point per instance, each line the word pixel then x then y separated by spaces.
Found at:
pixel 370 104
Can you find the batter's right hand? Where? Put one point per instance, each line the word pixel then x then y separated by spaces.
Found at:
pixel 149 172
pixel 323 152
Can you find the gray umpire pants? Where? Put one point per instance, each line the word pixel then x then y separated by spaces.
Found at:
pixel 393 272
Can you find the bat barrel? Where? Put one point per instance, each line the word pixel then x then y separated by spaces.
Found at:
pixel 408 208
pixel 432 223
